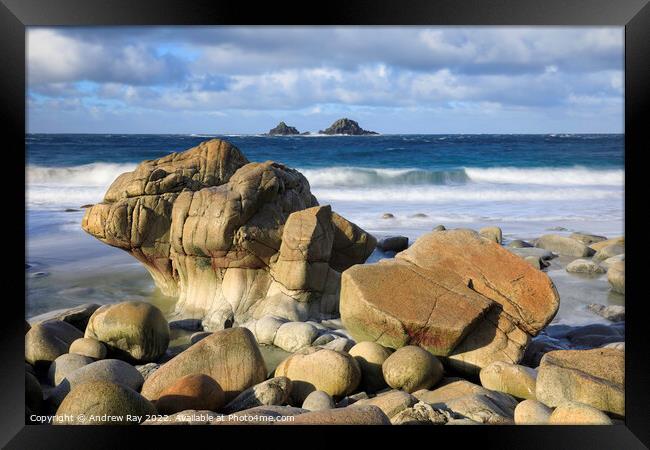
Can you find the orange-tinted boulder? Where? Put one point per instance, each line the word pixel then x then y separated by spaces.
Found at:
pixel 197 391
pixel 453 293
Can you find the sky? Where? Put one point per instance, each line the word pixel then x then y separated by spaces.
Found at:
pixel 230 80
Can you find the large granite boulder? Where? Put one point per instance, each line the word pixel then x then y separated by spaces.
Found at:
pixel 135 331
pixel 233 240
pixel 231 357
pixel 346 126
pixel 453 293
pixel 593 377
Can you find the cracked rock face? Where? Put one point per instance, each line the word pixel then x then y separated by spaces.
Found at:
pixel 234 240
pixel 454 294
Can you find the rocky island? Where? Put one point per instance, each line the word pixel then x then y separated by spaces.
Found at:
pixel 282 129
pixel 271 287
pixel 346 127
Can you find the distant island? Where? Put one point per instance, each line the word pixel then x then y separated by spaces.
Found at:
pixel 341 126
pixel 346 126
pixel 283 130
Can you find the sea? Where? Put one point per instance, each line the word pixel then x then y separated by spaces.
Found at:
pixel 528 185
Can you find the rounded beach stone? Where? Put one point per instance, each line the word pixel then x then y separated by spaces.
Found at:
pixel 492 233
pixel 64 365
pixel 266 328
pixel 231 357
pixel 197 391
pixel 516 380
pixel 412 368
pixel 314 368
pixel 602 244
pixel 439 228
pixel 318 401
pixel 48 340
pixel 532 412
pixel 587 238
pixel 292 336
pixel 88 347
pixel 609 252
pixel 370 357
pixel 574 413
pixel 388 216
pixel 616 277
pixel 564 245
pixel 593 377
pixel 135 331
pixel 584 266
pixel 111 370
pixel 100 403
pixel 274 391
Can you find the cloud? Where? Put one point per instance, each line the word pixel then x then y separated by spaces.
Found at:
pixel 252 71
pixel 54 57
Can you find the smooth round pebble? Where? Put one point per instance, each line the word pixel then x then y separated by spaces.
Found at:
pixel 88 347
pixel 318 401
pixel 64 365
pixel 370 357
pixel 412 368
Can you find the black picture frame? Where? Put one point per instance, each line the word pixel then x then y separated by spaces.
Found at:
pixel 634 15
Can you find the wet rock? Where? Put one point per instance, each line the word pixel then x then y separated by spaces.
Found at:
pixel 586 238
pixel 615 313
pixel 393 244
pixel 584 266
pixel 616 277
pixel 564 245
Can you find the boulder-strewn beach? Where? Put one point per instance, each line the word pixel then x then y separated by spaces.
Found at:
pixel 278 308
